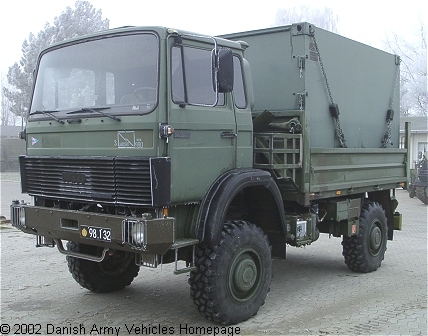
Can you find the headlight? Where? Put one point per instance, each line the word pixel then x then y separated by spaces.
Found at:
pixel 17 214
pixel 22 217
pixel 138 233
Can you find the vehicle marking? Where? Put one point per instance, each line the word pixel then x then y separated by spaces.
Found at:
pixel 125 139
pixel 34 141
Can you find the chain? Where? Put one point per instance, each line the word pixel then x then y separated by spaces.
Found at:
pixel 397 78
pixel 339 133
pixel 312 32
pixel 388 133
pixel 338 129
pixel 390 115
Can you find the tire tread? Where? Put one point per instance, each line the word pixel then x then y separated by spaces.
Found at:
pixel 87 274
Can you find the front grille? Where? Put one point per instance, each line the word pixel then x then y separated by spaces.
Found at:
pixel 109 180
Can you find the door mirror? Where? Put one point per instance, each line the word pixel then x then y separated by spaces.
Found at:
pixel 223 72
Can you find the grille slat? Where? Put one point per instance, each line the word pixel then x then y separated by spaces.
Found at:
pixel 112 180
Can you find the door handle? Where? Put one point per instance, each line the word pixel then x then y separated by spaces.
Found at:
pixel 228 135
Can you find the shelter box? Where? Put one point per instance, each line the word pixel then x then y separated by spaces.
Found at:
pixel 287 75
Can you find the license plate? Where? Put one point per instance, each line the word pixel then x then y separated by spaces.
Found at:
pixel 95 233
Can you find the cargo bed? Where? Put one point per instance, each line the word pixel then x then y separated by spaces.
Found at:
pixel 335 171
pixel 306 173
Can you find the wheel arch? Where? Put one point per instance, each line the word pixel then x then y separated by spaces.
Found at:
pixel 261 194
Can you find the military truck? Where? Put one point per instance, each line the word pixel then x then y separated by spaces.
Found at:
pixel 150 145
pixel 419 180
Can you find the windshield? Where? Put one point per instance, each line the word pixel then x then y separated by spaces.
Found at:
pixel 118 73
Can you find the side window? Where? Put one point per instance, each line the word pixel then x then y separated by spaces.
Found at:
pixel 238 87
pixel 178 94
pixel 191 76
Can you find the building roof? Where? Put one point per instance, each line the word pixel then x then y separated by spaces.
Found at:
pixel 418 124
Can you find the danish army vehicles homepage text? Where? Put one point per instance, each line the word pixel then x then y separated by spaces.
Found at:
pixel 148 145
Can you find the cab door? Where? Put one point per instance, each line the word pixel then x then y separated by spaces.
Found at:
pixel 203 143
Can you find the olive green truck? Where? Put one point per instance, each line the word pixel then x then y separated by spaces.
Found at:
pixel 148 146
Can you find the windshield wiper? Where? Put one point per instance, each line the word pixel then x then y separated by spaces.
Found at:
pixel 95 110
pixel 49 114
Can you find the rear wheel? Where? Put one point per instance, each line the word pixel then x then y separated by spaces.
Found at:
pixel 421 193
pixel 232 279
pixel 114 273
pixel 365 251
pixel 412 191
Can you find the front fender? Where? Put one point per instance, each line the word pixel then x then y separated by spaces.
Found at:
pixel 220 195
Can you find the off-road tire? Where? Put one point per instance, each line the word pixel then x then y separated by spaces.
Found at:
pixel 112 274
pixel 232 279
pixel 365 251
pixel 421 193
pixel 412 191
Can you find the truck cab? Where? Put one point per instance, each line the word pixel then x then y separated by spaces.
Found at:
pixel 99 134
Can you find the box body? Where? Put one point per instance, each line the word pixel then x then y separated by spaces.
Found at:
pixel 363 81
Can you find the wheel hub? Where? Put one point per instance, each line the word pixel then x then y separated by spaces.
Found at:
pixel 245 275
pixel 375 239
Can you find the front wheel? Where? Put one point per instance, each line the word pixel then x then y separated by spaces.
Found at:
pixel 365 251
pixel 232 279
pixel 115 272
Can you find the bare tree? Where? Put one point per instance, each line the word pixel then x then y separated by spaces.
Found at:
pixel 322 18
pixel 413 81
pixel 6 116
pixel 81 20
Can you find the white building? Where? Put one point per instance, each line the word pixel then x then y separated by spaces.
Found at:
pixel 418 137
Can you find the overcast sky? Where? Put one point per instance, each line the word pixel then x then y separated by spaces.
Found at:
pixel 365 21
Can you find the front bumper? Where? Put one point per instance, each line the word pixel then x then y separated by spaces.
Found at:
pixel 139 235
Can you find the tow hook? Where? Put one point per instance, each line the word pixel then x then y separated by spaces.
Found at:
pixel 62 250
